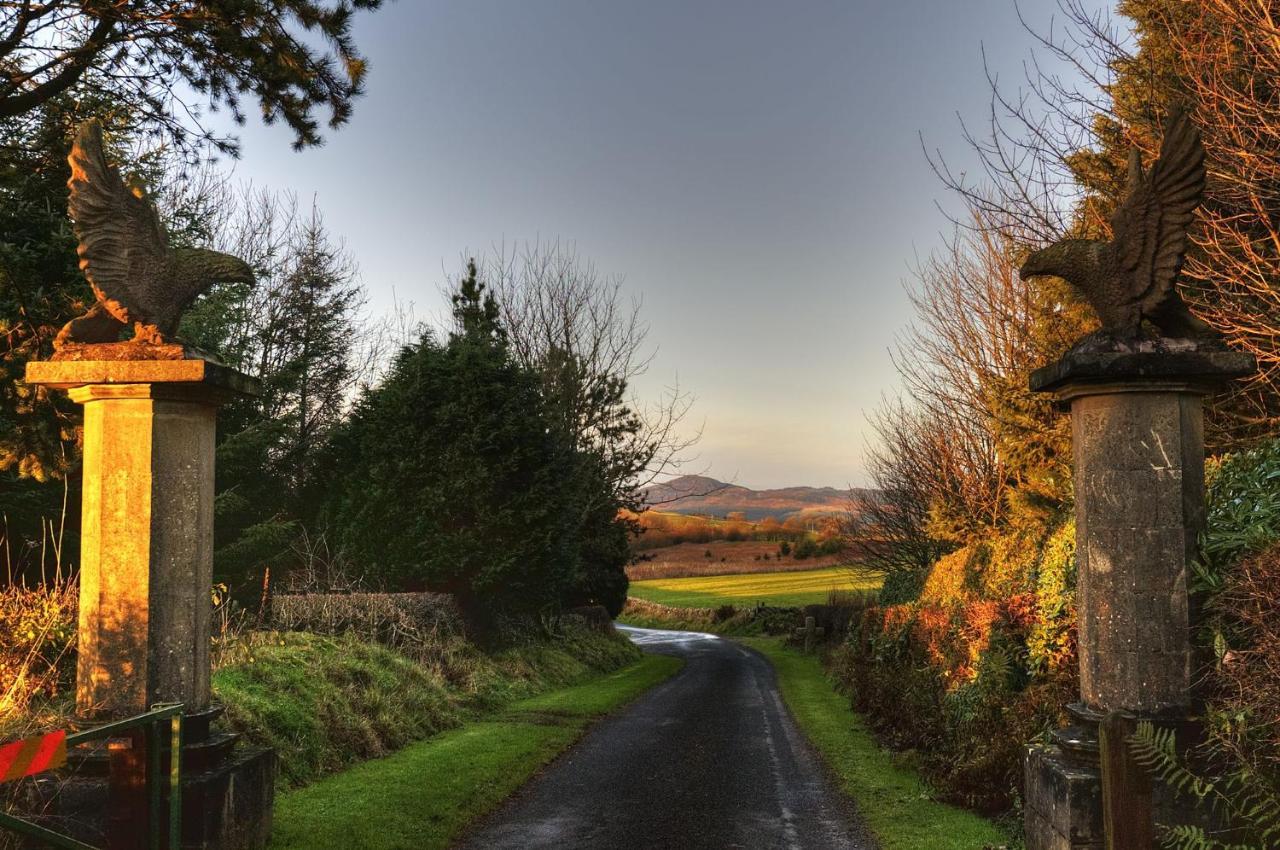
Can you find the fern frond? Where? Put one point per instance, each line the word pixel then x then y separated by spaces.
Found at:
pixel 1184 837
pixel 1249 802
pixel 1156 750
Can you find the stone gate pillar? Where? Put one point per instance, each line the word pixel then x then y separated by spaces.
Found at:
pixel 1138 470
pixel 146 577
pixel 147 527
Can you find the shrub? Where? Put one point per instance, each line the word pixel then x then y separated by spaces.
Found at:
pixel 1051 644
pixel 1243 515
pixel 805 548
pixel 901 586
pixel 593 617
pixel 1245 681
pixel 830 546
pixel 391 619
pixel 975 667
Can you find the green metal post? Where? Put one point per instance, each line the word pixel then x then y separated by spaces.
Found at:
pixel 153 786
pixel 175 782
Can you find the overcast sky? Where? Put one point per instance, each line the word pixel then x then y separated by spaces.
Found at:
pixel 753 169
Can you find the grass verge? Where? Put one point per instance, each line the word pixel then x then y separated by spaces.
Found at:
pixel 424 795
pixel 892 800
pixel 794 588
pixel 326 702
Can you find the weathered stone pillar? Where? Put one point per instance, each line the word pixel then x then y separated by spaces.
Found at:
pixel 147 527
pixel 146 576
pixel 1138 441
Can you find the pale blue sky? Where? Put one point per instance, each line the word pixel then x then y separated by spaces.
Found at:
pixel 753 169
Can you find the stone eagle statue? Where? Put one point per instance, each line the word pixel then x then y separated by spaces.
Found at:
pixel 125 255
pixel 1133 277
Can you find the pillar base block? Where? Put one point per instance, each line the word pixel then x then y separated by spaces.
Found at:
pixel 227 791
pixel 1063 801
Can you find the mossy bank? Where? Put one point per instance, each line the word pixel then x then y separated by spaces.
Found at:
pixel 325 703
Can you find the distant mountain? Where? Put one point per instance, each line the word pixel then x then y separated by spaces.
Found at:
pixel 698 494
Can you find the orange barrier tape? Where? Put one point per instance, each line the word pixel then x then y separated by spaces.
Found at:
pixel 33 755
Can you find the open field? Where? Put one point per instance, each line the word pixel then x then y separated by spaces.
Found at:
pixel 891 797
pixel 423 796
pixel 774 588
pixel 726 558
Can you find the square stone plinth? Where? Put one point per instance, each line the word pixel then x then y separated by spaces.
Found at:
pixel 1063 802
pixel 1139 482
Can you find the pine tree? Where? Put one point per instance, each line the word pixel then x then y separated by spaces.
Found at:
pixel 449 475
pixel 292 56
pixel 294 331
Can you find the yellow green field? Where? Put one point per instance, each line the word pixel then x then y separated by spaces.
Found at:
pixel 789 588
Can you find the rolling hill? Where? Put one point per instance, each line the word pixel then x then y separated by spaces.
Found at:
pixel 698 494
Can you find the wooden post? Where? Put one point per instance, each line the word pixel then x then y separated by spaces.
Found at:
pixel 1127 812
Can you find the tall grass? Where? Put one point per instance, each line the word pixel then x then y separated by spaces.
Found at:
pixel 37 653
pixel 37 632
pixel 37 647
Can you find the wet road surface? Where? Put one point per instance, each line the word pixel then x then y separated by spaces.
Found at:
pixel 708 759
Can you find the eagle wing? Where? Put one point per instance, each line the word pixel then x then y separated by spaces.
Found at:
pixel 122 243
pixel 1150 228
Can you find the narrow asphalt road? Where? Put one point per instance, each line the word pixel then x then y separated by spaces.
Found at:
pixel 708 759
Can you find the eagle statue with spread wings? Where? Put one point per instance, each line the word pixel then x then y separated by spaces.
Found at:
pixel 125 255
pixel 1134 276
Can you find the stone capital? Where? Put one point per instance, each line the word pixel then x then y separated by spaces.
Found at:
pixel 191 379
pixel 1178 366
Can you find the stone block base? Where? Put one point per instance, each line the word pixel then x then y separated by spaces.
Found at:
pixel 1063 805
pixel 227 807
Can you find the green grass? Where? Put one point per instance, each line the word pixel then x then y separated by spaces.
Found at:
pixel 324 703
pixel 892 800
pixel 784 589
pixel 424 795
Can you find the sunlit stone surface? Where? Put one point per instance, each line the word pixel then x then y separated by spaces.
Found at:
pixel 147 533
